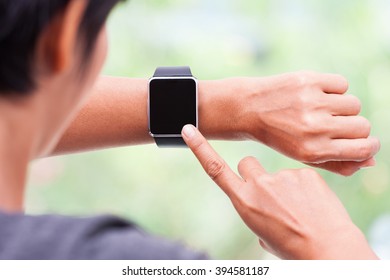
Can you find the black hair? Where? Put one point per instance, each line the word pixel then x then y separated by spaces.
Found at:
pixel 21 24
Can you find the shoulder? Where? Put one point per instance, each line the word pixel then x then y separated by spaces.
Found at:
pixel 100 237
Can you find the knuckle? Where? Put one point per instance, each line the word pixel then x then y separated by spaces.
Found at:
pixel 214 168
pixel 309 152
pixel 303 154
pixel 295 176
pixel 305 77
pixel 301 78
pixel 365 151
pixel 286 174
pixel 303 100
pixel 308 172
pixel 266 180
pixel 308 126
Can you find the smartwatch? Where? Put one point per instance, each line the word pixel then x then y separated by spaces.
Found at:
pixel 172 104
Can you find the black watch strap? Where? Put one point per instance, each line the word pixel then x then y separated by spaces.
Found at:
pixel 170 142
pixel 180 71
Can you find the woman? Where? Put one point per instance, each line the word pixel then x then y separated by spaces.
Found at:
pixel 51 101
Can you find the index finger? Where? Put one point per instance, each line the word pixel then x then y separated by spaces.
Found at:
pixel 211 162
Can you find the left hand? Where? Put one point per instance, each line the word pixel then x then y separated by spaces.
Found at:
pixel 304 115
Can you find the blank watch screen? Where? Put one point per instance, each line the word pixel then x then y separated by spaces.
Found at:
pixel 172 105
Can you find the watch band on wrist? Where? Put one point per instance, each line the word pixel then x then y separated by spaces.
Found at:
pixel 166 142
pixel 180 71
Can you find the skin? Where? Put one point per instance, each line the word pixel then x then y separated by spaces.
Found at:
pixel 292 113
pixel 294 213
pixel 304 115
pixel 26 132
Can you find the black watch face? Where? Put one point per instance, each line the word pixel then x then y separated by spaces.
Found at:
pixel 172 105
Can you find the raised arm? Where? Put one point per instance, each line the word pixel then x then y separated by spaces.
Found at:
pixel 116 115
pixel 306 116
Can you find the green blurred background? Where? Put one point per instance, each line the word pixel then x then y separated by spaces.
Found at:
pixel 166 191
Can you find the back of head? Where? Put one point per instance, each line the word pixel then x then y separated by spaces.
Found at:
pixel 22 23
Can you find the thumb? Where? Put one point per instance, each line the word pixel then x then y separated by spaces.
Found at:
pixel 250 167
pixel 211 162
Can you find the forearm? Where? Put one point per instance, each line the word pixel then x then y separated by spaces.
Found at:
pixel 303 115
pixel 116 115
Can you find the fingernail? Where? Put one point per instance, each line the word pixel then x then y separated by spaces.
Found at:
pixel 189 131
pixel 366 167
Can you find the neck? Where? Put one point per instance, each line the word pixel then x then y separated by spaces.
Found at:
pixel 12 182
pixel 15 154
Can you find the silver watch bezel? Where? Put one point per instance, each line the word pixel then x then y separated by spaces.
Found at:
pixel 172 78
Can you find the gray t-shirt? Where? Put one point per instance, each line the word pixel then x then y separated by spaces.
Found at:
pixel 67 238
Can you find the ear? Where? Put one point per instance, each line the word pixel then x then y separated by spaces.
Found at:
pixel 57 45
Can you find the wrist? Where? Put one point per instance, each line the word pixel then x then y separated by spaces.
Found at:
pixel 222 108
pixel 348 244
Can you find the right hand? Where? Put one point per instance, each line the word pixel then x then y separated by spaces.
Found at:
pixel 294 213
